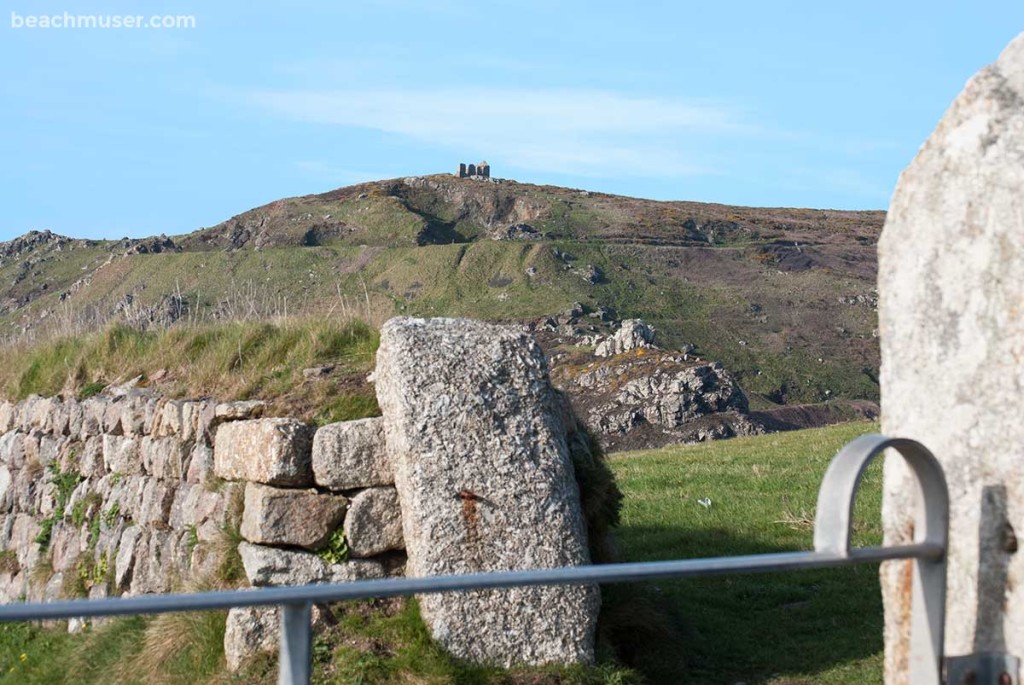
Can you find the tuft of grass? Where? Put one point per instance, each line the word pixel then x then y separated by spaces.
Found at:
pixel 179 648
pixel 9 561
pixel 229 571
pixel 172 649
pixel 111 515
pixel 66 482
pixel 77 579
pixel 91 389
pixel 80 512
pixel 388 643
pixel 40 574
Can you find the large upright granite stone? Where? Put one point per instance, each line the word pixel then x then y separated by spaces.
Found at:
pixel 486 484
pixel 951 309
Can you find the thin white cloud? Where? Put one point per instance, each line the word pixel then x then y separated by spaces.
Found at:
pixel 583 132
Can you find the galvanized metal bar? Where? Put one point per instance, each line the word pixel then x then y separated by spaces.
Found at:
pixel 295 664
pixel 834 524
pixel 833 527
pixel 365 589
pixel 983 668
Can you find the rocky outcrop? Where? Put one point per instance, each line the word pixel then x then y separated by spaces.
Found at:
pixel 634 395
pixel 951 288
pixel 633 334
pixel 651 397
pixel 486 484
pixel 31 241
pixel 517 232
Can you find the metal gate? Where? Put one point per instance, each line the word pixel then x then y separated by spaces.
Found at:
pixel 832 529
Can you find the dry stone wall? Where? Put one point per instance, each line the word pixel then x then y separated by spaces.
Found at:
pixel 470 462
pixel 136 494
pixel 110 495
pixel 319 507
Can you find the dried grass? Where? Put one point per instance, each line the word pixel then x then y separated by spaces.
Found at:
pixel 797 521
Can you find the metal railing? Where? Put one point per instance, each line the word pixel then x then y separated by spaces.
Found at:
pixel 832 531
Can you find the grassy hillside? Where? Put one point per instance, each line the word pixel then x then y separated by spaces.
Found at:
pixel 778 629
pixel 783 297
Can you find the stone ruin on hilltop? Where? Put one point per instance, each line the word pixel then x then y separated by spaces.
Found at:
pixel 481 170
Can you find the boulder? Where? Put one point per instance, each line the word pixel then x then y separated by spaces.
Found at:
pixel 373 524
pixel 486 484
pixel 271 451
pixel 951 315
pixel 351 454
pixel 296 518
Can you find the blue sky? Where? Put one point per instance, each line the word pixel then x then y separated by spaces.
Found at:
pixel 107 133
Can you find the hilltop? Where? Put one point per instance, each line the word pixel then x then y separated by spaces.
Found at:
pixel 783 298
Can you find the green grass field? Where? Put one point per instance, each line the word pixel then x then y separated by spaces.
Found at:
pixel 776 629
pixel 800 627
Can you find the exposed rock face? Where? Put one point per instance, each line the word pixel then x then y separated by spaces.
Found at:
pixel 517 232
pixel 632 334
pixel 648 397
pixel 634 395
pixel 951 289
pixel 271 451
pixel 351 454
pixel 485 482
pixel 299 518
